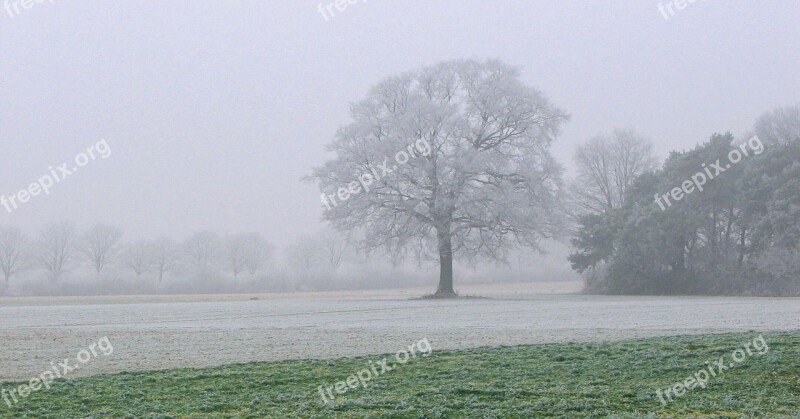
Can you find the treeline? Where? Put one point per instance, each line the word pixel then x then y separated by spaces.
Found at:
pixel 60 248
pixel 642 230
pixel 62 259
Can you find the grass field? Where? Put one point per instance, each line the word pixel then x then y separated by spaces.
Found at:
pixel 617 379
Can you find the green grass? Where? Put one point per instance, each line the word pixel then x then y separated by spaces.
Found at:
pixel 616 379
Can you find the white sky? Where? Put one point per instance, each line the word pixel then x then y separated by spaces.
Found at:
pixel 215 110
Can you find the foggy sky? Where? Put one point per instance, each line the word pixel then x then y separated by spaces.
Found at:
pixel 215 110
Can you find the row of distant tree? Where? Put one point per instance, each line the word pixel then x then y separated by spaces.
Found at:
pixel 60 250
pixel 739 235
pixel 62 259
pixel 58 247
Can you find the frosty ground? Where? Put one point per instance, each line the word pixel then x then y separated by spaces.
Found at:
pixel 198 331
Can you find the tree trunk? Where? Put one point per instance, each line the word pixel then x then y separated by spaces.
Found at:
pixel 728 228
pixel 714 240
pixel 742 248
pixel 445 263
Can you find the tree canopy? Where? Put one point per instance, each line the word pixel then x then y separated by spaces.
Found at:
pixel 450 160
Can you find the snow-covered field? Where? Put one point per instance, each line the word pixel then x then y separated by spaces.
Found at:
pixel 195 331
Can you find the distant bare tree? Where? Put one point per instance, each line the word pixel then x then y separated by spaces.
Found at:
pixel 335 244
pixel 259 253
pixel 139 257
pixel 55 247
pixel 780 126
pixel 13 251
pixel 305 254
pixel 99 245
pixel 165 255
pixel 607 166
pixel 247 251
pixel 202 248
pixel 235 248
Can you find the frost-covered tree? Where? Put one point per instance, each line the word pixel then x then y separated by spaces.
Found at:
pixel 607 166
pixel 446 161
pixel 99 245
pixel 13 251
pixel 780 126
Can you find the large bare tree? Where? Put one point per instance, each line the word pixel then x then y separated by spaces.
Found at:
pixel 99 245
pixel 448 160
pixel 13 252
pixel 55 247
pixel 607 166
